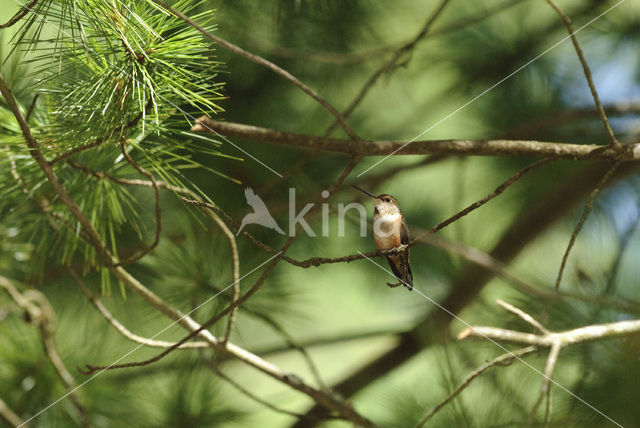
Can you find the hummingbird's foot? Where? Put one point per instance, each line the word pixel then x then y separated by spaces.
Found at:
pixel 394 285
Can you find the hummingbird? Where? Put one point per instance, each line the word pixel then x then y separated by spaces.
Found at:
pixel 390 230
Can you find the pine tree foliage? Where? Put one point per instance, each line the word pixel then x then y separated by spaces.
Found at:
pixel 104 71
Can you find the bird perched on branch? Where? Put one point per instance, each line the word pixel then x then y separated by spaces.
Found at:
pixel 390 231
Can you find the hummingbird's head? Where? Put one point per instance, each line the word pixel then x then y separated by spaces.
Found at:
pixel 386 205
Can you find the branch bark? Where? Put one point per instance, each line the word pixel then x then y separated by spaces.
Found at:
pixel 481 147
pixel 10 416
pixel 587 73
pixel 583 334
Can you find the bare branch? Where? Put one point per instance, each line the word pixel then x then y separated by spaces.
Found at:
pixel 545 389
pixel 19 15
pixel 265 63
pixel 316 261
pixel 97 303
pixel 292 344
pixel 235 268
pixel 540 149
pixel 32 106
pixel 587 73
pixel 554 341
pixel 158 210
pixel 98 141
pixel 248 393
pixel 583 334
pixel 522 314
pixel 502 360
pixel 10 416
pixel 585 213
pixel 40 313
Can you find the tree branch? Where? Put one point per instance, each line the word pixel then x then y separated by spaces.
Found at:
pixel 10 416
pixel 97 303
pixel 235 268
pixel 541 149
pixel 98 141
pixel 583 334
pixel 248 393
pixel 42 316
pixel 18 16
pixel 587 73
pixel 523 315
pixel 583 218
pixel 545 389
pixel 158 211
pixel 256 286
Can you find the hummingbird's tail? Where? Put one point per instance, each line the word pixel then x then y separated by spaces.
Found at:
pixel 408 281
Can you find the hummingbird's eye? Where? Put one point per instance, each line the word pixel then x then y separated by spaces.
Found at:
pixel 387 199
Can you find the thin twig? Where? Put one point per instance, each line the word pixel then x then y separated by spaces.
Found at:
pixel 589 333
pixel 522 314
pixel 291 342
pixel 545 389
pixel 392 62
pixel 585 213
pixel 481 147
pixel 502 360
pixel 248 393
pixel 97 303
pixel 19 15
pixel 32 106
pixel 587 74
pixel 158 210
pixel 98 141
pixel 235 267
pixel 265 63
pixel 472 279
pixel 40 313
pixel 10 416
pixel 316 261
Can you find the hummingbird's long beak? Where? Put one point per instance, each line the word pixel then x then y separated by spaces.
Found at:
pixel 363 191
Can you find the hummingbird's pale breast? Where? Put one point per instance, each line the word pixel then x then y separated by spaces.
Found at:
pixel 386 230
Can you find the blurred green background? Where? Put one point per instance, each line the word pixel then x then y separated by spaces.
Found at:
pixel 344 313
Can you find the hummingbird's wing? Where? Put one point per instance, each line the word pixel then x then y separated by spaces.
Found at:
pixel 405 239
pixel 404 233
